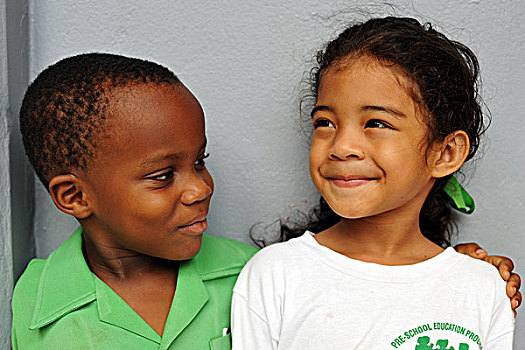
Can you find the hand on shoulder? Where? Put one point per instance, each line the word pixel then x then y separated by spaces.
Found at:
pixel 504 266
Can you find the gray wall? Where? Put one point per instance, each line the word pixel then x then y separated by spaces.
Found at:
pixel 21 173
pixel 16 176
pixel 6 263
pixel 244 61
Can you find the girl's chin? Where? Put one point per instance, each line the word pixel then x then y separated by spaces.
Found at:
pixel 358 214
pixel 351 215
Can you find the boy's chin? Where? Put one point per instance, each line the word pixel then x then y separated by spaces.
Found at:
pixel 189 251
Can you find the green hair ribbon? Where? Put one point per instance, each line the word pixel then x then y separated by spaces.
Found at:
pixel 460 199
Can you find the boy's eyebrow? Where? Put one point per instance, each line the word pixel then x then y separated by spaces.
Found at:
pixel 159 159
pixel 386 109
pixel 164 157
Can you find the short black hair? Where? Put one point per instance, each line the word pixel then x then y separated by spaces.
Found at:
pixel 64 110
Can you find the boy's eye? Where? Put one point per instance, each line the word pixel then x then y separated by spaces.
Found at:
pixel 319 123
pixel 201 161
pixel 374 123
pixel 162 177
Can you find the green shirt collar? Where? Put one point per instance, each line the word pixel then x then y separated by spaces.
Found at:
pixel 66 284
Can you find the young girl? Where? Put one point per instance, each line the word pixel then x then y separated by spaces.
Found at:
pixel 396 115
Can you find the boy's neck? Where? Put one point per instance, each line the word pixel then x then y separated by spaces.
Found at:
pixel 109 263
pixel 145 283
pixel 382 240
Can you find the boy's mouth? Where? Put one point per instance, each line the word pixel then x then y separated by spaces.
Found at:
pixel 196 226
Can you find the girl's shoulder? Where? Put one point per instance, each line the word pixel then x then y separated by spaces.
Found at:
pixel 279 258
pixel 480 277
pixel 477 269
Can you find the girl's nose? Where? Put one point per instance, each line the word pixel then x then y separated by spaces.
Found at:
pixel 346 145
pixel 198 189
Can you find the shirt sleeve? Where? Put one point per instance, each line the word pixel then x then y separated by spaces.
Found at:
pixel 249 329
pixel 257 303
pixel 14 344
pixel 501 343
pixel 502 323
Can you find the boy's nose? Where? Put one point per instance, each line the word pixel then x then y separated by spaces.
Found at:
pixel 346 145
pixel 198 189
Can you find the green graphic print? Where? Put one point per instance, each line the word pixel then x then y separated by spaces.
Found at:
pixel 423 343
pixel 437 336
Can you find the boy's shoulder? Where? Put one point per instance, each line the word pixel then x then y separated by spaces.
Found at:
pixel 49 276
pixel 218 255
pixel 27 285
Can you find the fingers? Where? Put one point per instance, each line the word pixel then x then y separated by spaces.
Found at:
pixel 505 267
pixel 503 264
pixel 513 285
pixel 515 302
pixel 472 250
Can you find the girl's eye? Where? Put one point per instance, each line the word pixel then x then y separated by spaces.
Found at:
pixel 163 177
pixel 201 161
pixel 319 123
pixel 374 123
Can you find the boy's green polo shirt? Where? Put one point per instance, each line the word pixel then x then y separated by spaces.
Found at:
pixel 58 303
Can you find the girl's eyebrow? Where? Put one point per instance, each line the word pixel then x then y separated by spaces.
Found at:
pixel 320 108
pixel 385 109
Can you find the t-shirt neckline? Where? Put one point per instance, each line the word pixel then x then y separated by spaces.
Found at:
pixel 435 266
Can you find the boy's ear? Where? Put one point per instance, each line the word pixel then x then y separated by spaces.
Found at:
pixel 67 193
pixel 449 154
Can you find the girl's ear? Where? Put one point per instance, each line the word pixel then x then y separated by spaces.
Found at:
pixel 68 195
pixel 449 154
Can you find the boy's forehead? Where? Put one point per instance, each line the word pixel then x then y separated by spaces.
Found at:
pixel 140 96
pixel 141 113
pixel 136 104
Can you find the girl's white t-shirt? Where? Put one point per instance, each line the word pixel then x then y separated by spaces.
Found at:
pixel 302 295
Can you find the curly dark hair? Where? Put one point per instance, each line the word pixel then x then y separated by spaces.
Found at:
pixel 64 110
pixel 445 75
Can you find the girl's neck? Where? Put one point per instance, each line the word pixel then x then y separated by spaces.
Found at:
pixel 382 239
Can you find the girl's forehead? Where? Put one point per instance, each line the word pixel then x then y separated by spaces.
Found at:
pixel 365 70
pixel 369 65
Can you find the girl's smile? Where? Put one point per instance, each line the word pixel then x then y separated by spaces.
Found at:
pixel 350 181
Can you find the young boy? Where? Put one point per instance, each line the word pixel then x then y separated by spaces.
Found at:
pixel 120 144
